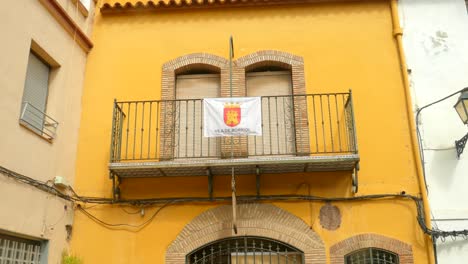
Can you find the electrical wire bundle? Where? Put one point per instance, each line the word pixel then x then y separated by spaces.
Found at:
pixel 75 198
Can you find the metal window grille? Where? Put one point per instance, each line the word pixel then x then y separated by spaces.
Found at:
pixel 19 251
pixel 246 250
pixel 372 256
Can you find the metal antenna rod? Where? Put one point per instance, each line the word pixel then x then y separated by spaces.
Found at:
pixel 233 177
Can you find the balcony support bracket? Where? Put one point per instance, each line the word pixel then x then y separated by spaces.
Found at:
pixel 115 187
pixel 257 175
pixel 210 183
pixel 355 179
pixel 460 145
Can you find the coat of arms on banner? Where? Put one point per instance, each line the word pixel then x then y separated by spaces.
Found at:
pixel 240 116
pixel 232 114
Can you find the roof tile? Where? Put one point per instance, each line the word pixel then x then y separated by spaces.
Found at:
pixel 117 6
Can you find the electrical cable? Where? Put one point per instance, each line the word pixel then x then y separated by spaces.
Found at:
pixel 247 198
pixel 418 132
pixel 139 226
pixel 434 233
pixel 138 211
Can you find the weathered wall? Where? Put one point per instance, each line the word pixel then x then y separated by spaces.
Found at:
pixel 435 40
pixel 26 210
pixel 344 45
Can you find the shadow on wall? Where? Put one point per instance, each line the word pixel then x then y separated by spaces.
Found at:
pixel 335 184
pixel 441 165
pixel 450 245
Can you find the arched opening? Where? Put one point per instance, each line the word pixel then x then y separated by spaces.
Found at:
pixel 272 81
pixel 259 222
pixel 177 134
pixel 371 248
pixel 192 83
pixel 246 250
pixel 372 256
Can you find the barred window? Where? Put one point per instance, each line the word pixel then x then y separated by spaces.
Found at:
pixel 371 256
pixel 246 250
pixel 20 251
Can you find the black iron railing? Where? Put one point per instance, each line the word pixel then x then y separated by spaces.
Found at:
pixel 246 249
pixel 291 125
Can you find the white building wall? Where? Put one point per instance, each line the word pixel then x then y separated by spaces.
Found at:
pixel 436 46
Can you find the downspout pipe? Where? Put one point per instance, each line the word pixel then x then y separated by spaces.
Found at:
pixel 397 34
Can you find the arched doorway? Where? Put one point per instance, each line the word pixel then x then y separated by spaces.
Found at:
pixel 272 81
pixel 246 249
pixel 184 80
pixel 194 82
pixel 254 221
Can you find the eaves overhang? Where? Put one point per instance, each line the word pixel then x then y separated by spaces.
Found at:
pixel 171 5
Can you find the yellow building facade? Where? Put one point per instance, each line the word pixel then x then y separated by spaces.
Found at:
pixel 329 181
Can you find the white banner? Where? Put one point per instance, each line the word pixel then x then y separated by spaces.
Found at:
pixel 240 116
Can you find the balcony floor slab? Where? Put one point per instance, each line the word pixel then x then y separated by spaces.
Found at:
pixel 243 166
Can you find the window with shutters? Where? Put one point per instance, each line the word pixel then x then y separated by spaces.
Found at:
pixel 21 251
pixel 189 140
pixel 274 86
pixel 34 103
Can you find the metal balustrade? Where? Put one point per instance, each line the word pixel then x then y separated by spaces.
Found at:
pixel 38 121
pixel 292 125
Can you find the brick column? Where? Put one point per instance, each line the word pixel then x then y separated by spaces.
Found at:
pixel 238 90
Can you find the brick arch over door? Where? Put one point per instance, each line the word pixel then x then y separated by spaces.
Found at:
pixel 264 220
pixel 169 71
pixel 343 248
pixel 296 65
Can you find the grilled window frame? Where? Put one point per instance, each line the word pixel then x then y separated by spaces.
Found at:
pixel 19 250
pixel 241 248
pixel 372 254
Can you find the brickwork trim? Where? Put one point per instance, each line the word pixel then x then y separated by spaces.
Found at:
pixel 296 65
pixel 269 55
pixel 219 64
pixel 170 70
pixel 347 246
pixel 264 220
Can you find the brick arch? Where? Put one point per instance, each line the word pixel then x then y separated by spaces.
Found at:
pixel 264 220
pixel 270 55
pixel 342 248
pixel 185 62
pixel 169 71
pixel 296 65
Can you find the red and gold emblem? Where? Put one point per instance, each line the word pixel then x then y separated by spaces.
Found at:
pixel 232 114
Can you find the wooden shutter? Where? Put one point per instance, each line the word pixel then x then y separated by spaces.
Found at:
pixel 189 140
pixel 35 92
pixel 277 113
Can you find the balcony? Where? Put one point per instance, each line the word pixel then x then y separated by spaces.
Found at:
pixel 301 133
pixel 37 121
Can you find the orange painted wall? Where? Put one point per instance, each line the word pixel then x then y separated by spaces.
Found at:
pixel 344 46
